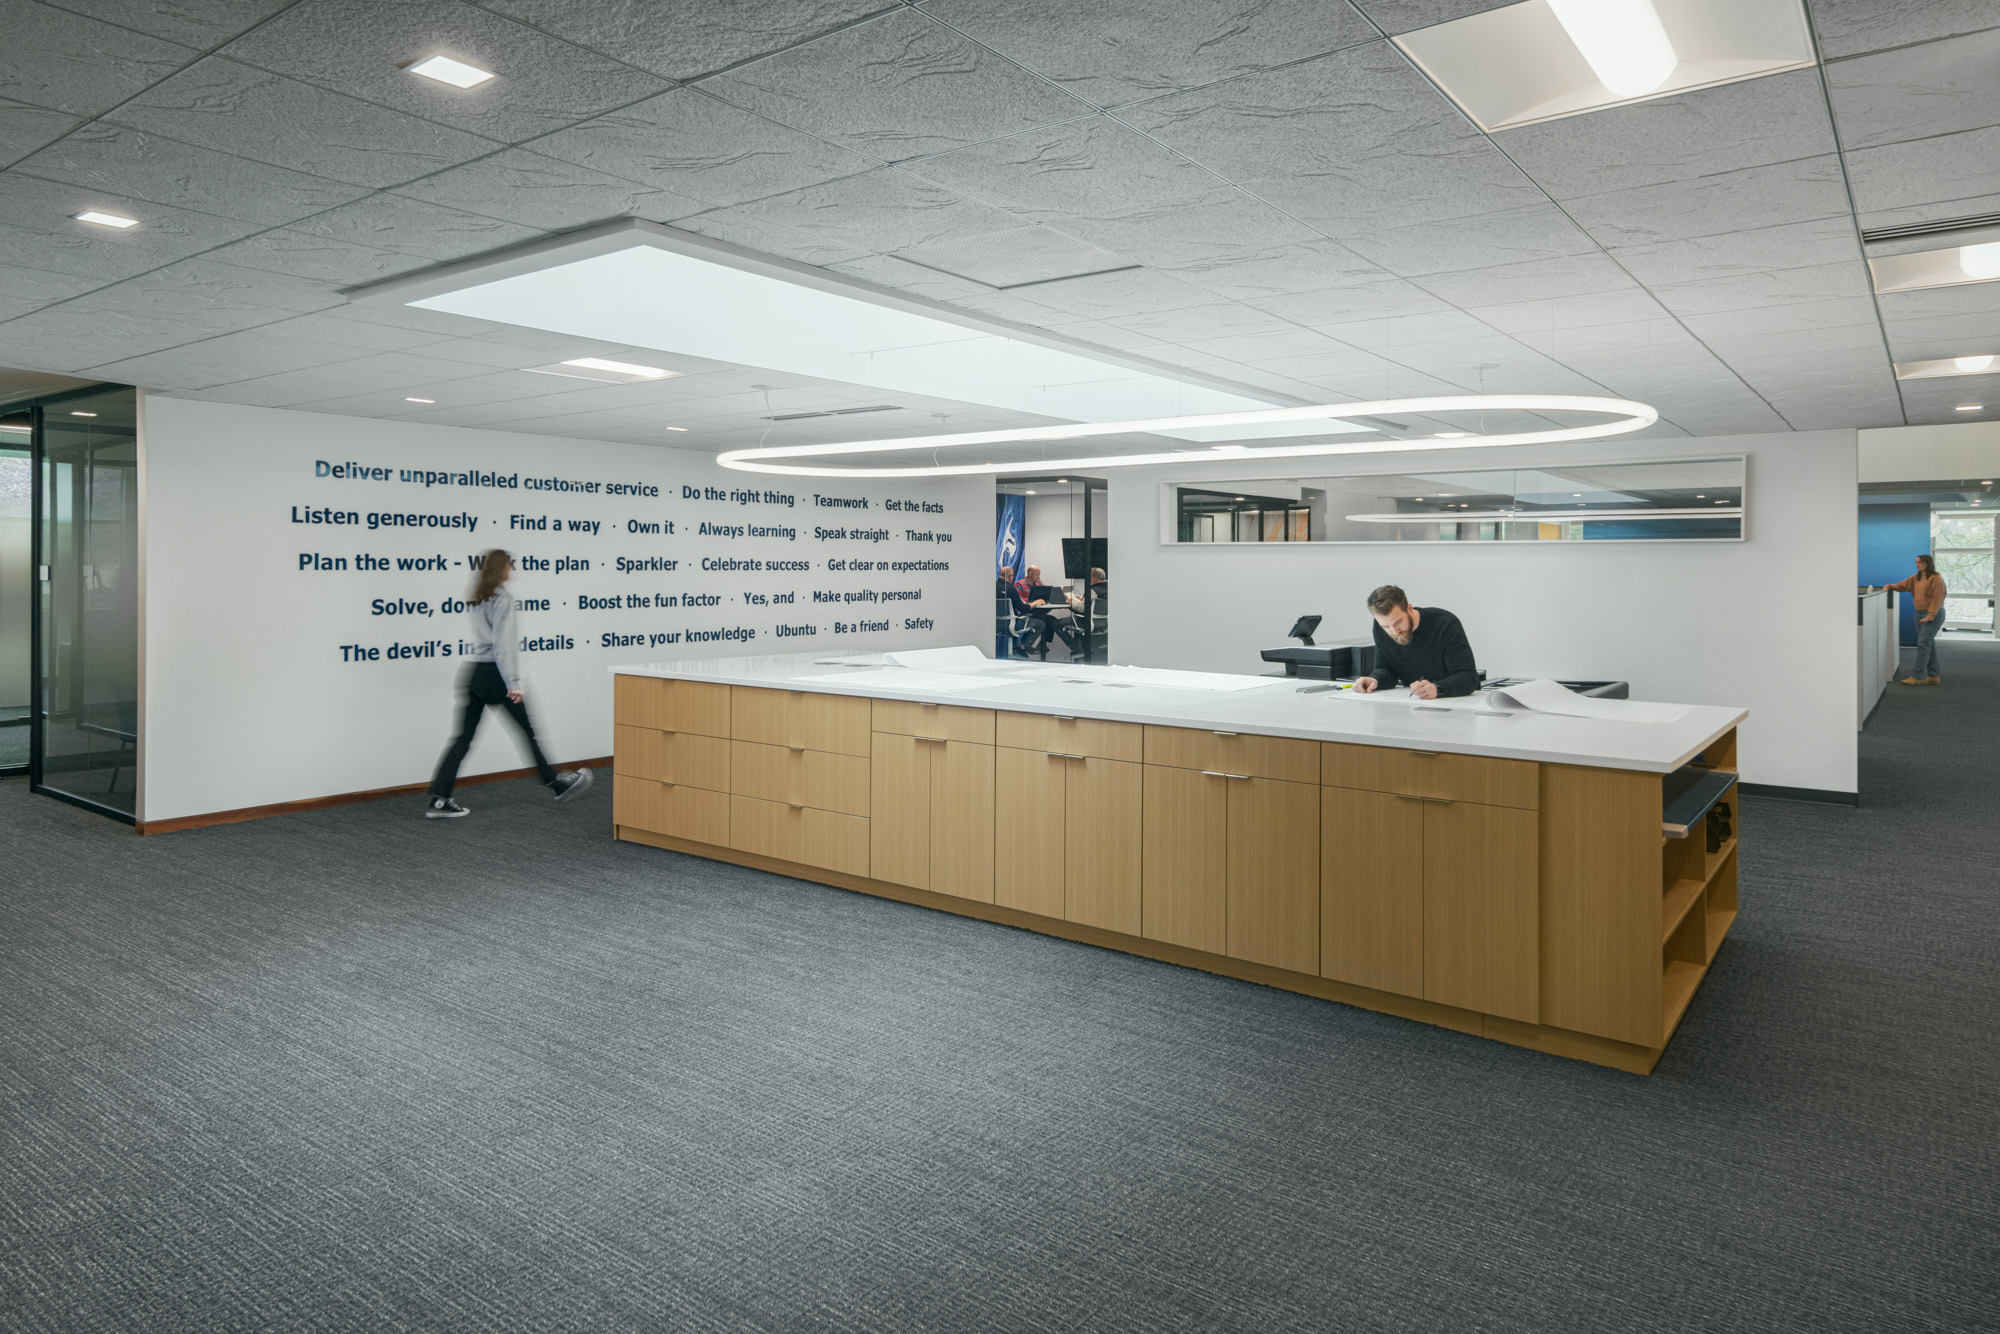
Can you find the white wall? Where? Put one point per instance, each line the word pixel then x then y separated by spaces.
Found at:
pixel 1931 453
pixel 249 701
pixel 1048 520
pixel 1765 624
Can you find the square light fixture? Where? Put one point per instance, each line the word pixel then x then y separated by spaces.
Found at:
pixel 1949 267
pixel 607 372
pixel 1982 364
pixel 103 219
pixel 1546 59
pixel 454 72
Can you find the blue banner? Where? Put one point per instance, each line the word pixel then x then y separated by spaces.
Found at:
pixel 1013 530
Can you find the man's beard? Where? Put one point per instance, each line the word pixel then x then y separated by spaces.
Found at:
pixel 1402 639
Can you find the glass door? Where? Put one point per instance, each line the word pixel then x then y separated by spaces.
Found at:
pixel 86 704
pixel 17 585
pixel 1962 544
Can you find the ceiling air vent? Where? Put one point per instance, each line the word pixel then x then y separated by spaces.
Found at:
pixel 1018 257
pixel 833 412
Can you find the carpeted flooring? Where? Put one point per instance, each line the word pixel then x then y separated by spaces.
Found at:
pixel 353 1071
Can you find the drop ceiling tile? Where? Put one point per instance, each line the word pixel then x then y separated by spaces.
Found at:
pixel 78 336
pixel 64 61
pixel 1923 171
pixel 695 145
pixel 536 191
pixel 1934 400
pixel 1120 51
pixel 1703 132
pixel 1663 341
pixel 1384 299
pixel 24 128
pixel 1278 271
pixel 1218 319
pixel 1403 331
pixel 227 282
pixel 127 162
pixel 769 238
pixel 1203 228
pixel 197 23
pixel 896 87
pixel 38 229
pixel 361 48
pixel 360 335
pixel 1753 417
pixel 285 389
pixel 39 287
pixel 484 352
pixel 1849 27
pixel 1305 119
pixel 1938 302
pixel 1520 234
pixel 883 210
pixel 1629 305
pixel 1774 363
pixel 1750 291
pixel 1430 180
pixel 1795 245
pixel 1789 318
pixel 226 359
pixel 300 254
pixel 390 370
pixel 398 225
pixel 1827 407
pixel 1941 210
pixel 1268 347
pixel 1079 166
pixel 682 41
pixel 1538 279
pixel 1100 334
pixel 233 108
pixel 197 314
pixel 1707 205
pixel 1106 295
pixel 1917 92
pixel 1975 332
pixel 903 276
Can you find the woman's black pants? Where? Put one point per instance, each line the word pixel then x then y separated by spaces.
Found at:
pixel 482 686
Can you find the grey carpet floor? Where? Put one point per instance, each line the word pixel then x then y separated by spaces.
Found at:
pixel 353 1071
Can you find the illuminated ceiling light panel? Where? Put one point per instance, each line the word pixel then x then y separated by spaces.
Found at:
pixel 606 372
pixel 1546 59
pixel 1949 266
pixel 1943 367
pixel 83 414
pixel 642 285
pixel 1970 407
pixel 1543 516
pixel 106 219
pixel 420 400
pixel 1632 417
pixel 454 72
pixel 22 430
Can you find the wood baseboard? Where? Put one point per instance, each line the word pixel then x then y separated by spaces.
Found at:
pixel 343 799
pixel 1555 1041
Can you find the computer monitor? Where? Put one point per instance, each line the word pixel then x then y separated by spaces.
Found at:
pixel 1303 628
pixel 1080 554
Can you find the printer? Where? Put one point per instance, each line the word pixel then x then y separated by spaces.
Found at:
pixel 1322 662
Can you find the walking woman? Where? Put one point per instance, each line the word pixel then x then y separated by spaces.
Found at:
pixel 493 677
pixel 1926 587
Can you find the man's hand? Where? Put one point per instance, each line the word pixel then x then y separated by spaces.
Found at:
pixel 1366 684
pixel 514 696
pixel 1423 690
pixel 1039 602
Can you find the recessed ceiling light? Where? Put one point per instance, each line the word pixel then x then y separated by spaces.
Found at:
pixel 1236 497
pixel 454 72
pixel 677 428
pixel 1622 42
pixel 1574 494
pixel 420 400
pixel 1031 492
pixel 1062 479
pixel 1451 435
pixel 1722 502
pixel 621 367
pixel 24 430
pixel 83 414
pixel 106 219
pixel 606 372
pixel 1980 261
pixel 1972 365
pixel 1969 407
pixel 1986 483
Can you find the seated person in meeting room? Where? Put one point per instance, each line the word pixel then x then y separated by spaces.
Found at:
pixel 1042 600
pixel 1422 647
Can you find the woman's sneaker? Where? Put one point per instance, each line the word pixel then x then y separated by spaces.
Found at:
pixel 444 808
pixel 572 784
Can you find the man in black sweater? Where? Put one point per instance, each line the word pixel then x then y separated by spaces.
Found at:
pixel 1423 647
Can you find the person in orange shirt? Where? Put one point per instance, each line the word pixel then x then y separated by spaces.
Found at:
pixel 1927 587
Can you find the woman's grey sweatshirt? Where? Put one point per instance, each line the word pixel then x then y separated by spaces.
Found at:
pixel 494 639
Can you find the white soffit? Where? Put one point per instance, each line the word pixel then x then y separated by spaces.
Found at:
pixel 1516 65
pixel 646 286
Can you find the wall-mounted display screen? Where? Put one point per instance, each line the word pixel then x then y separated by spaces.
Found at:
pixel 1683 500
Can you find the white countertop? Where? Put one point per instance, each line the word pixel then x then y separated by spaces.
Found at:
pixel 1274 710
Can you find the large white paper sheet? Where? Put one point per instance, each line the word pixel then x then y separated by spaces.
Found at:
pixel 958 658
pixel 1161 676
pixel 905 678
pixel 1546 696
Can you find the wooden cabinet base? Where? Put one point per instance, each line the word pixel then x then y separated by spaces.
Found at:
pixel 1637 1060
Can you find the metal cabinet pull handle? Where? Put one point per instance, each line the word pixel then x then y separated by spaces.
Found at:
pixel 796 750
pixel 1427 754
pixel 1211 773
pixel 1226 734
pixel 1064 717
pixel 1405 796
pixel 796 805
pixel 1440 801
pixel 1060 755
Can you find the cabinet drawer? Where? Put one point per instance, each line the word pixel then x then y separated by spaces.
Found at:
pixel 671 706
pixel 799 719
pixel 1071 736
pixel 823 779
pixel 692 813
pixel 1419 773
pixel 799 834
pixel 671 757
pixel 1251 756
pixel 939 721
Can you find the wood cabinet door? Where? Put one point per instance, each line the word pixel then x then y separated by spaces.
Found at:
pixel 1371 876
pixel 1028 817
pixel 961 798
pixel 899 810
pixel 1274 873
pixel 1101 843
pixel 1482 912
pixel 1184 859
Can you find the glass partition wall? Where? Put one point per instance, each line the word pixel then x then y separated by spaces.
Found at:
pixel 86 524
pixel 17 585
